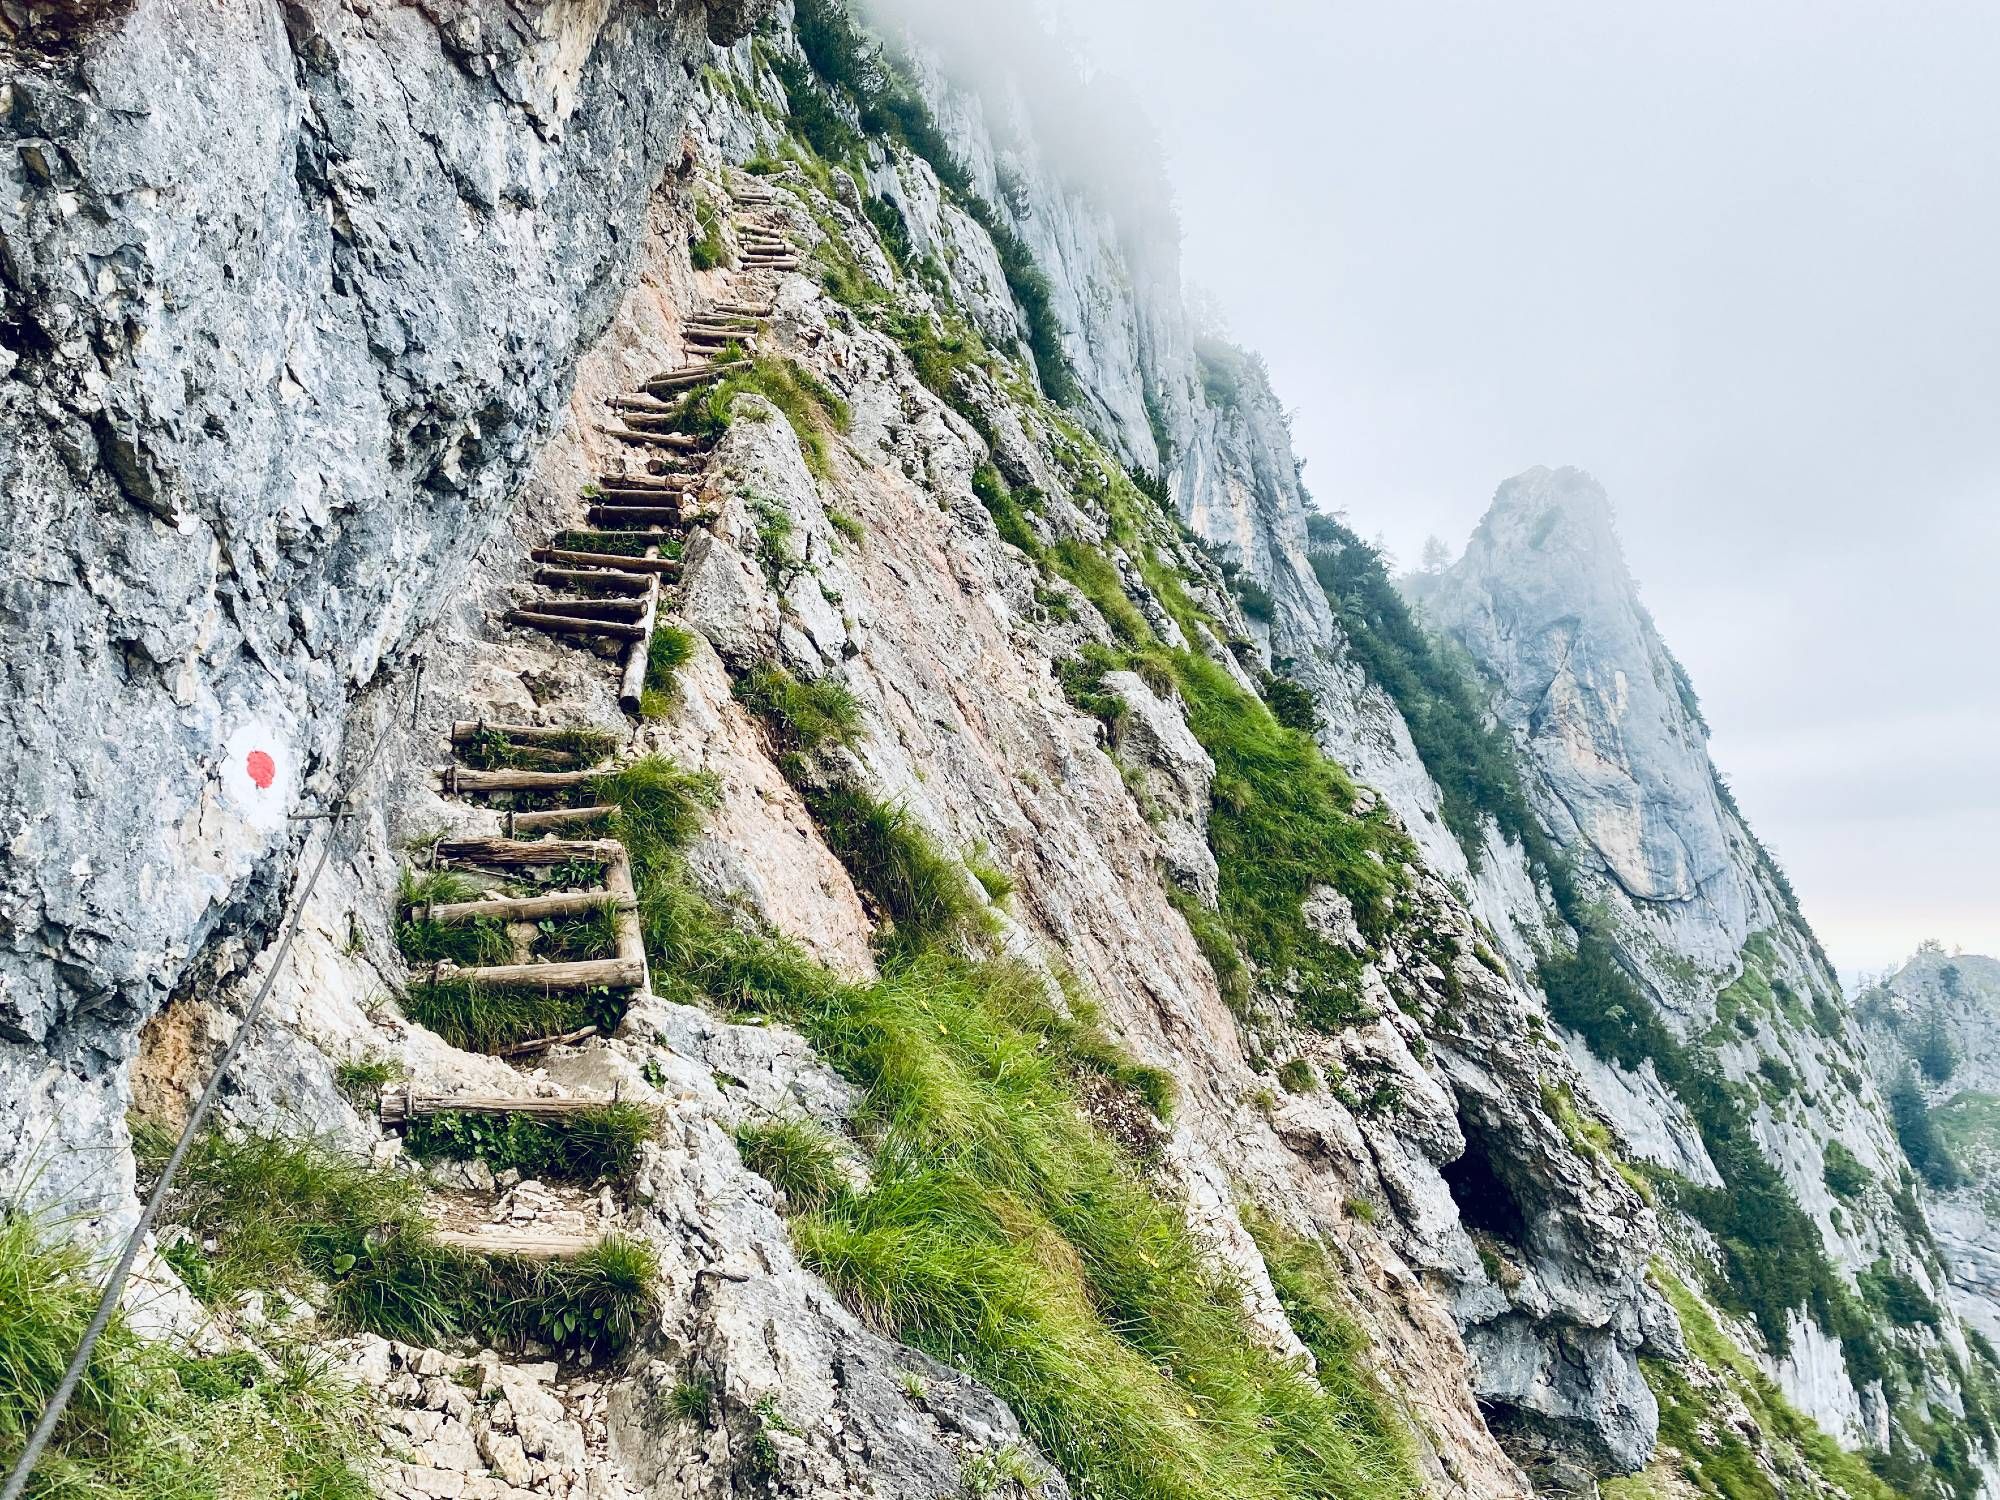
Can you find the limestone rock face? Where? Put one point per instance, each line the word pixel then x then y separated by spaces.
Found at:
pixel 293 292
pixel 1543 597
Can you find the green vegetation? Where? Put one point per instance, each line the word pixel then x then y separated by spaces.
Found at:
pixel 803 717
pixel 1008 517
pixel 424 940
pixel 1844 1174
pixel 1298 1076
pixel 812 408
pixel 149 1422
pixel 362 1080
pixel 1470 758
pixel 487 1017
pixel 491 749
pixel 705 247
pixel 592 934
pixel 1969 1125
pixel 297 1214
pixel 593 1145
pixel 1002 1229
pixel 1709 1452
pixel 670 649
pixel 1918 1134
pixel 888 105
pixel 797 1158
pixel 926 894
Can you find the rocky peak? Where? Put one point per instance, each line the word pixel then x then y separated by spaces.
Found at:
pixel 1546 605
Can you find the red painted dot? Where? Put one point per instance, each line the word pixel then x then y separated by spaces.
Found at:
pixel 263 770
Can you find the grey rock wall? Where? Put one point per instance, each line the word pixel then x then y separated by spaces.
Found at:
pixel 291 291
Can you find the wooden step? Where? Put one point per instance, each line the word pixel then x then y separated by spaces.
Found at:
pixel 556 817
pixel 526 908
pixel 465 779
pixel 623 496
pixel 533 734
pixel 519 1245
pixel 665 483
pixel 543 1043
pixel 617 583
pixel 618 630
pixel 400 1108
pixel 611 516
pixel 574 608
pixel 503 852
pixel 666 566
pixel 584 974
pixel 642 438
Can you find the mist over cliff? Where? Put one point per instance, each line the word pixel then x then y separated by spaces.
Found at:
pixel 902 913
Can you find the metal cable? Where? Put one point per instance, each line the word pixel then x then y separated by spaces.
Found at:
pixel 114 1288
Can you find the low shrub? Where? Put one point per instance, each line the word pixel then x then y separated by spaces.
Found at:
pixel 593 1145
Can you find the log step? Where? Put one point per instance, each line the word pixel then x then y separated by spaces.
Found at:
pixel 465 779
pixel 617 583
pixel 619 630
pixel 517 1245
pixel 399 1108
pixel 543 1043
pixel 571 607
pixel 621 481
pixel 634 515
pixel 528 908
pixel 488 851
pixel 532 734
pixel 584 974
pixel 649 439
pixel 613 560
pixel 555 817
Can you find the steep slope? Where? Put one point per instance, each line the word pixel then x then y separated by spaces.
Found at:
pixel 1932 1031
pixel 1699 1008
pixel 1079 1039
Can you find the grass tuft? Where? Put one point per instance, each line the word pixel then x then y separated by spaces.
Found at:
pixel 802 717
pixel 484 1018
pixel 151 1423
pixel 926 895
pixel 667 652
pixel 797 1158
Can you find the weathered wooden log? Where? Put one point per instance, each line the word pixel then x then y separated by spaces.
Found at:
pixel 465 779
pixel 641 481
pixel 590 609
pixel 618 630
pixel 632 684
pixel 532 734
pixel 631 936
pixel 642 438
pixel 617 583
pixel 400 1108
pixel 543 1043
pixel 584 974
pixel 555 817
pixel 608 560
pixel 526 908
pixel 517 1245
pixel 503 852
pixel 634 515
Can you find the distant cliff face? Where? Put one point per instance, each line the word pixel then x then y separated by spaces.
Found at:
pixel 1933 1036
pixel 1668 883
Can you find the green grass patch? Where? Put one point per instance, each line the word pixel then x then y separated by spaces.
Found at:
pixel 362 1080
pixel 589 935
pixel 149 1422
pixel 486 1017
pixel 300 1214
pixel 492 749
pixel 615 544
pixel 802 717
pixel 705 248
pixel 423 940
pixel 593 1145
pixel 816 414
pixel 670 648
pixel 797 1158
pixel 927 895
pixel 1004 1232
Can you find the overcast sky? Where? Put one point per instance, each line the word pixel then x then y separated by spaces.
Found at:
pixel 1739 261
